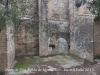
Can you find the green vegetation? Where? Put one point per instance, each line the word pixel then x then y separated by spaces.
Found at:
pixel 15 10
pixel 21 65
pixel 94 7
pixel 30 61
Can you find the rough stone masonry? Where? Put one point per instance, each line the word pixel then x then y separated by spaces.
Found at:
pixel 62 26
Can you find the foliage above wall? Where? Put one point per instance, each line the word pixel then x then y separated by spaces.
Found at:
pixel 95 8
pixel 8 10
pixel 15 10
pixel 92 5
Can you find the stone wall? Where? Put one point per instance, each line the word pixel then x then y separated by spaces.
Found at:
pixel 10 44
pixel 58 10
pixel 7 48
pixel 81 31
pixel 3 50
pixel 96 38
pixel 58 18
pixel 58 37
pixel 62 25
pixel 43 24
pixel 54 15
pixel 28 43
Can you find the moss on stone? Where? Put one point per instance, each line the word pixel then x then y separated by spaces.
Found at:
pixel 21 65
pixel 31 61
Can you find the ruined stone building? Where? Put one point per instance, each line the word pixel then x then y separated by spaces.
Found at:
pixel 70 29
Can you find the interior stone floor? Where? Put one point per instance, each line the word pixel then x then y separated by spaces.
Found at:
pixel 53 65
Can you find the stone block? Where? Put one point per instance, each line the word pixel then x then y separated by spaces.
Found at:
pixel 96 39
pixel 3 61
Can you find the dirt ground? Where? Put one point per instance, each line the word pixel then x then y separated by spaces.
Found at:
pixel 57 65
pixel 89 69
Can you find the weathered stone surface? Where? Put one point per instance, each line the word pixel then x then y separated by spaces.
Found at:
pixel 43 22
pixel 30 10
pixel 3 61
pixel 3 51
pixel 53 22
pixel 10 45
pixel 26 43
pixel 50 10
pixel 96 39
pixel 81 34
pixel 58 30
pixel 62 46
pixel 7 48
pixel 58 10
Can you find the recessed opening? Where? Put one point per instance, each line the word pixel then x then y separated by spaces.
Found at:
pixel 52 45
pixel 0 30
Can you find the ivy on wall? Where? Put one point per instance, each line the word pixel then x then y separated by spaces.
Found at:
pixel 14 10
pixel 94 7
